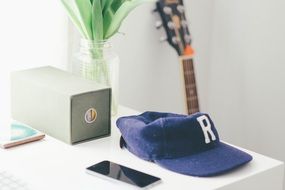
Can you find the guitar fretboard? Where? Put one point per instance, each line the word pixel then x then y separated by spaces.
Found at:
pixel 191 94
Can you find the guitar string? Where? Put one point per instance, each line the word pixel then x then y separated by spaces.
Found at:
pixel 188 78
pixel 195 89
pixel 192 100
pixel 186 84
pixel 187 81
pixel 189 86
pixel 198 107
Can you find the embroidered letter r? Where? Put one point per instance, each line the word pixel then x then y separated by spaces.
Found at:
pixel 206 127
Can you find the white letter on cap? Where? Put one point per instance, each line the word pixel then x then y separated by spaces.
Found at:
pixel 206 128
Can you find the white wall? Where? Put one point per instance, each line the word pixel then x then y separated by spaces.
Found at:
pixel 35 33
pixel 149 70
pixel 247 81
pixel 239 62
pixel 240 68
pixel 32 33
pixel 247 73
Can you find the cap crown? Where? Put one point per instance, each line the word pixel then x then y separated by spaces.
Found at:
pixel 154 135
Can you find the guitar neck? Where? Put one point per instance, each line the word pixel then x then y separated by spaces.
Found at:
pixel 174 21
pixel 191 95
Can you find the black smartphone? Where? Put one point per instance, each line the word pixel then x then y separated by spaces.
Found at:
pixel 123 174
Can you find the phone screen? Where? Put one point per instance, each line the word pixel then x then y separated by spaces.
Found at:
pixel 123 173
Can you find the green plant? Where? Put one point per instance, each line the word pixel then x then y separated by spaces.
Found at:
pixel 99 19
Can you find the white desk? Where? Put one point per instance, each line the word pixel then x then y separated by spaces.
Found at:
pixel 52 165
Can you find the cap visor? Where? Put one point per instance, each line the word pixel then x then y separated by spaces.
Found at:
pixel 213 162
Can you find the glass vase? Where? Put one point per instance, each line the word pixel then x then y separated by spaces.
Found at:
pixel 98 62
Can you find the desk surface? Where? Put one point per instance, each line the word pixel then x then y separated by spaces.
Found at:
pixel 51 164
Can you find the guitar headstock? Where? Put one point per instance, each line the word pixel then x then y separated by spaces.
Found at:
pixel 172 13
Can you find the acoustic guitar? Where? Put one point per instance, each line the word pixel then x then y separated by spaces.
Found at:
pixel 173 19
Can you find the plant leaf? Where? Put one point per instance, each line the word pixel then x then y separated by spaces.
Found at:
pixel 120 15
pixel 71 10
pixel 105 5
pixel 97 20
pixel 108 13
pixel 117 4
pixel 85 13
pixel 108 17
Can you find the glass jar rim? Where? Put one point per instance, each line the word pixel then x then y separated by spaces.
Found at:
pixel 87 44
pixel 84 41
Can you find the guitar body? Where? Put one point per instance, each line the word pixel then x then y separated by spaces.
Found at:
pixel 174 21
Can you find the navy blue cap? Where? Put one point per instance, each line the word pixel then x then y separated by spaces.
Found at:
pixel 185 144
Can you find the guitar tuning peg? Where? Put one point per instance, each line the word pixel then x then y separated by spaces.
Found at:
pixel 171 25
pixel 175 40
pixel 158 24
pixel 180 8
pixel 163 38
pixel 167 10
pixel 187 38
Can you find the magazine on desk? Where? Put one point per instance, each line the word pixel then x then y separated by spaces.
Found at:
pixel 21 134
